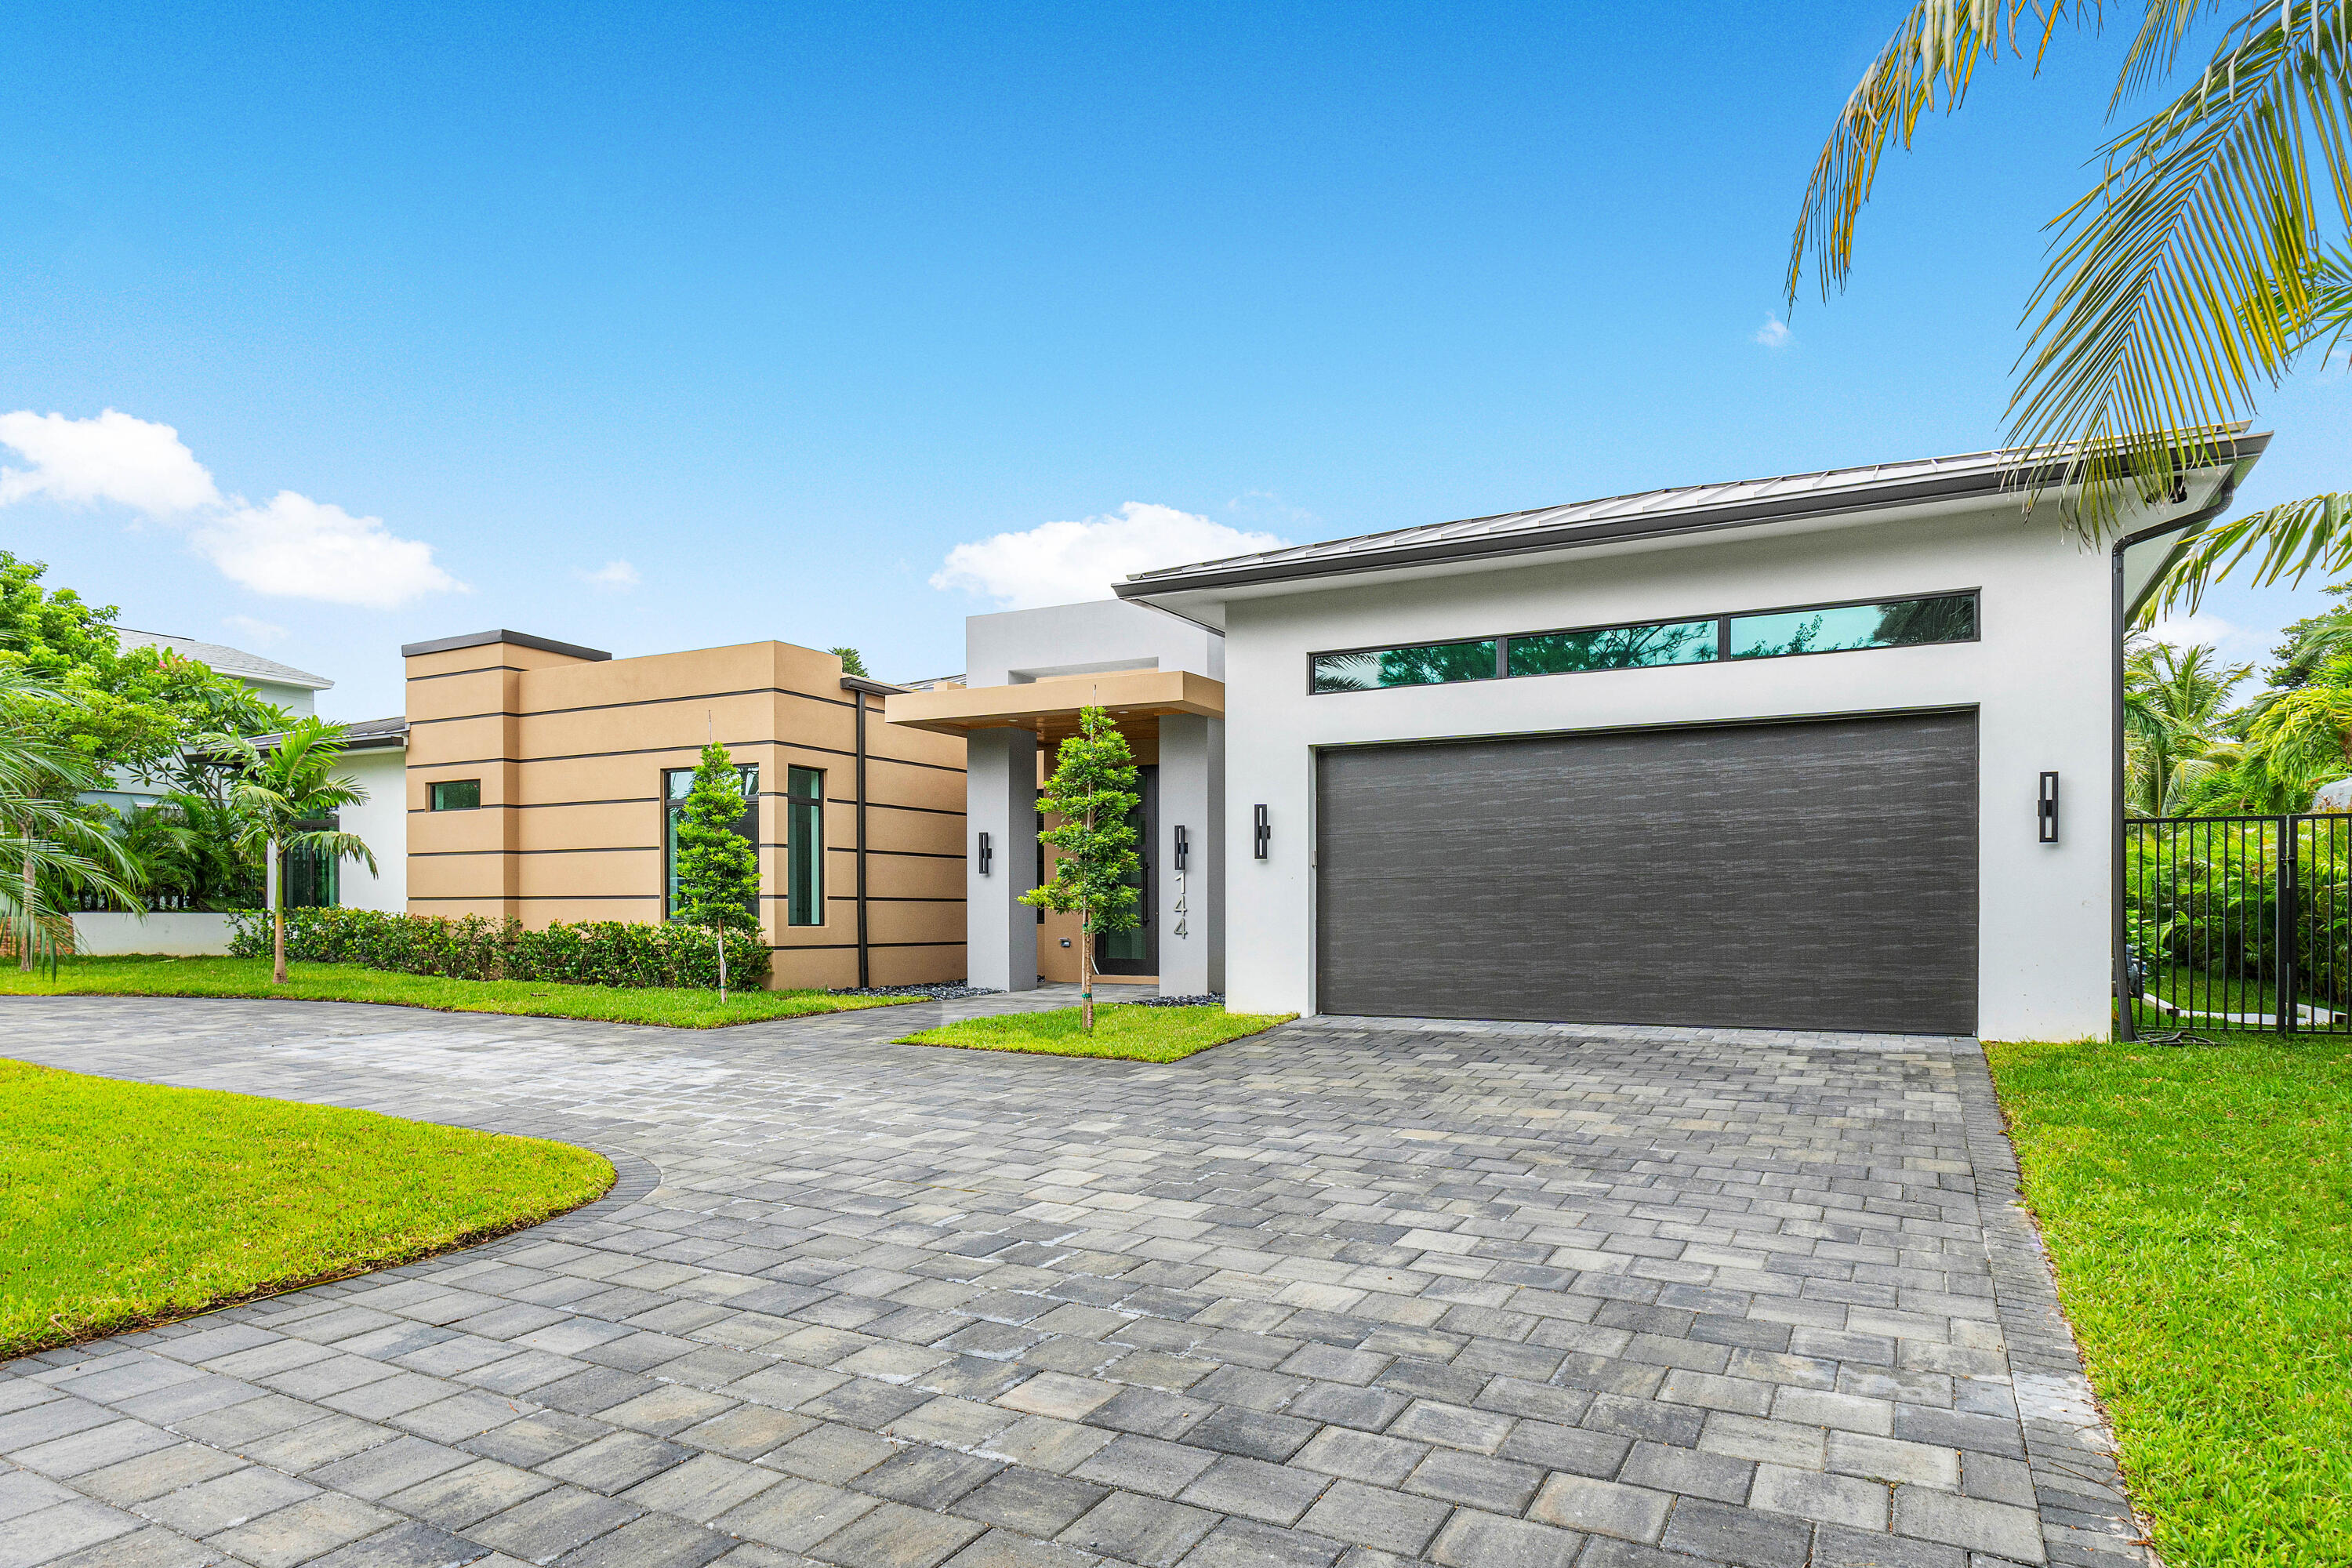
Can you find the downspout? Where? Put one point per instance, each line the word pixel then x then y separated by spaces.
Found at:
pixel 859 688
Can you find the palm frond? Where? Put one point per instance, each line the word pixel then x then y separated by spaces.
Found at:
pixel 1927 66
pixel 2181 281
pixel 2283 543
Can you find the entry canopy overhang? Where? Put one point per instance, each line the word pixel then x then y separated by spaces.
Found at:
pixel 1051 707
pixel 1880 492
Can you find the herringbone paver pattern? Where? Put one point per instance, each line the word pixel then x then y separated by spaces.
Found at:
pixel 1345 1293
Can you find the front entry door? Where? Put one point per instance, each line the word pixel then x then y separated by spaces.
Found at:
pixel 1136 952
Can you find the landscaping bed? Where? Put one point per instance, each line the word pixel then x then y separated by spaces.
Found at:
pixel 1132 1031
pixel 125 1204
pixel 681 1008
pixel 2198 1204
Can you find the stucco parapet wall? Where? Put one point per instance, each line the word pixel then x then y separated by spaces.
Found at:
pixel 1126 693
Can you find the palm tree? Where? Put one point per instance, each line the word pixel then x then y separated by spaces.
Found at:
pixel 47 846
pixel 2174 700
pixel 2207 257
pixel 280 796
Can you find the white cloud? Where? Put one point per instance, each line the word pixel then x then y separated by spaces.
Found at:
pixel 112 458
pixel 617 575
pixel 2187 631
pixel 1065 563
pixel 1774 333
pixel 305 549
pixel 294 546
pixel 251 630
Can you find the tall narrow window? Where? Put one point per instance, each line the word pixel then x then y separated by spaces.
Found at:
pixel 804 846
pixel 677 784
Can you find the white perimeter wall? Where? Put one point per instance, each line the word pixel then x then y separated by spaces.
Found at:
pixel 382 822
pixel 2040 679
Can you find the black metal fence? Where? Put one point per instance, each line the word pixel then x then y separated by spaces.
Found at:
pixel 2239 923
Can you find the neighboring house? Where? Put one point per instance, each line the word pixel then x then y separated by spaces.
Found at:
pixel 544 779
pixel 375 758
pixel 296 691
pixel 1769 753
pixel 1029 673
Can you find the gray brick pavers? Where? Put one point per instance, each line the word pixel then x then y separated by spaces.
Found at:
pixel 1354 1291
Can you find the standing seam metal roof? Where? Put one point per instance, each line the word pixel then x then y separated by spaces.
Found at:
pixel 1731 503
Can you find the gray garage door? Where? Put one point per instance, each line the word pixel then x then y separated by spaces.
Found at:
pixel 1815 875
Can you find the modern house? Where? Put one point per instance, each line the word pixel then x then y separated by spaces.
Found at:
pixel 544 779
pixel 1027 674
pixel 1834 751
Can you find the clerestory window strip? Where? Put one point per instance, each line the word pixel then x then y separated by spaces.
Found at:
pixel 1854 625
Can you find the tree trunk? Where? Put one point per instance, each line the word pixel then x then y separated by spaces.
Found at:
pixel 24 909
pixel 277 917
pixel 721 933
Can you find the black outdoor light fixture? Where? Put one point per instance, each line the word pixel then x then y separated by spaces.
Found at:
pixel 1264 833
pixel 2045 808
pixel 987 853
pixel 1183 847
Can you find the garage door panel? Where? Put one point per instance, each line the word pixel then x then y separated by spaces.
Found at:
pixel 1804 875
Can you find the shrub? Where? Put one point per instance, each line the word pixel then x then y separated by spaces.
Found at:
pixel 597 952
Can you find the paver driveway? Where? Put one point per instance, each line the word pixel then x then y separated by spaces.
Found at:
pixel 1334 1294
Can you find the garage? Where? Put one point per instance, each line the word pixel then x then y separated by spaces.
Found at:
pixel 1811 875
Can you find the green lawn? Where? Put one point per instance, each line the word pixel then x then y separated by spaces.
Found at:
pixel 1122 1030
pixel 122 1204
pixel 695 1009
pixel 2199 1204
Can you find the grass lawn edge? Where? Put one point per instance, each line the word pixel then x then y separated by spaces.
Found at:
pixel 67 986
pixel 975 1033
pixel 139 1322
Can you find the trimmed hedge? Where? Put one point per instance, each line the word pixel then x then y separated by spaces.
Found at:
pixel 598 952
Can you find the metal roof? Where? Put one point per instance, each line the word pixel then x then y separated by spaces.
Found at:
pixel 1681 510
pixel 222 658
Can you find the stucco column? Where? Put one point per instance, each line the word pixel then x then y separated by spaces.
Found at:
pixel 1001 800
pixel 1192 902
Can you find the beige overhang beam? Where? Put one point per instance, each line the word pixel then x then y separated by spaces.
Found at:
pixel 1126 693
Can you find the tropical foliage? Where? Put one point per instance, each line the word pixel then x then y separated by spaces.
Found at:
pixel 1092 793
pixel 50 846
pixel 2207 260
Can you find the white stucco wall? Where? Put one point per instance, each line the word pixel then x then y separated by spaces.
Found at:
pixel 188 934
pixel 382 821
pixel 2040 679
pixel 1075 639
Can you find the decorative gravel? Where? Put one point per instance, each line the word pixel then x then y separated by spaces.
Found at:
pixel 949 991
pixel 1212 999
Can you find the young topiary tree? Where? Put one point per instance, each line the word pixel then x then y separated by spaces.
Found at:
pixel 717 869
pixel 1092 791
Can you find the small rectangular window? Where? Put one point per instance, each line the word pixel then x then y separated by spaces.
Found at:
pixel 804 846
pixel 1424 664
pixel 677 784
pixel 1614 647
pixel 457 794
pixel 1897 623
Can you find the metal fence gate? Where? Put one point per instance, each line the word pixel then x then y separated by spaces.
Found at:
pixel 2239 923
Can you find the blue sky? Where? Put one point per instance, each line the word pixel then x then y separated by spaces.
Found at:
pixel 657 329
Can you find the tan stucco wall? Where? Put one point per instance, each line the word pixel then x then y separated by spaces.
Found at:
pixel 570 753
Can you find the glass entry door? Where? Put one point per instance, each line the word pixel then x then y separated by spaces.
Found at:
pixel 1136 952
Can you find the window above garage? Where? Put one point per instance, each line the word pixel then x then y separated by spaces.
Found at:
pixel 1706 639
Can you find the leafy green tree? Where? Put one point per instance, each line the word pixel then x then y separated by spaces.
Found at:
pixel 718 868
pixel 1093 791
pixel 2174 703
pixel 49 846
pixel 2208 259
pixel 852 661
pixel 280 795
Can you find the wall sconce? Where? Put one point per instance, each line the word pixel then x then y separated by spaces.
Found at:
pixel 987 853
pixel 1183 847
pixel 1264 833
pixel 2045 809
